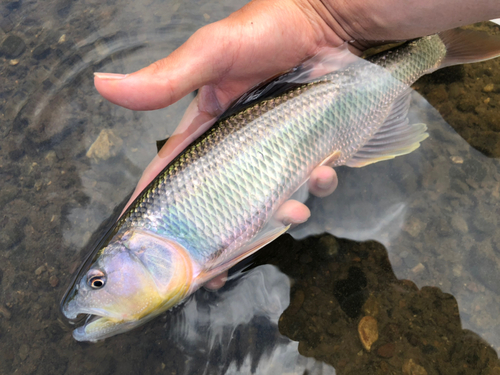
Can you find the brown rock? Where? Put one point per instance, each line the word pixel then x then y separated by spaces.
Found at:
pixel 53 281
pixel 368 331
pixel 386 350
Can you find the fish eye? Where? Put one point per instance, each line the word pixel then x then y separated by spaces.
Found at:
pixel 96 279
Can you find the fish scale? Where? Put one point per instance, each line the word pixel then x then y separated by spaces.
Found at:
pixel 229 183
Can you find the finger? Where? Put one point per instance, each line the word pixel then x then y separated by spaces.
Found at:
pixel 323 181
pixel 292 212
pixel 194 64
pixel 217 282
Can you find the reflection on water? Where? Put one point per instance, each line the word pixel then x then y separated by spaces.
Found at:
pixel 431 281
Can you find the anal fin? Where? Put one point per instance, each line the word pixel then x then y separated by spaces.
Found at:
pixel 394 138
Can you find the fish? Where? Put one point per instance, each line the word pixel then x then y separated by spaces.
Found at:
pixel 215 203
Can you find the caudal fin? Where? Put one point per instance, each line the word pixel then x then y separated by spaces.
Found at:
pixel 467 46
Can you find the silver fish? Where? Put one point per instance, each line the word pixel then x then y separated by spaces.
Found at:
pixel 214 204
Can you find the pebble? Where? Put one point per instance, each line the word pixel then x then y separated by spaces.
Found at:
pixel 53 281
pixel 105 146
pixel 12 47
pixel 13 62
pixel 418 268
pixel 489 87
pixel 457 159
pixel 458 223
pixel 5 312
pixel 40 270
pixel 24 351
pixel 51 157
pixel 411 368
pixel 371 306
pixel 386 350
pixel 414 226
pixel 368 331
pixel 206 16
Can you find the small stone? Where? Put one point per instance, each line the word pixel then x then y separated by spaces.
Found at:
pixel 487 101
pixel 51 157
pixel 457 159
pixel 5 312
pixel 12 47
pixel 418 268
pixel 414 227
pixel 386 350
pixel 371 306
pixel 53 281
pixel 368 331
pixel 62 39
pixel 24 351
pixel 206 16
pixel 40 270
pixel 105 146
pixel 411 368
pixel 458 223
pixel 489 87
pixel 13 62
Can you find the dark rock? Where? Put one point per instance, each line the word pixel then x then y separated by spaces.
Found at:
pixel 13 5
pixel 6 24
pixel 16 154
pixel 484 269
pixel 12 47
pixel 63 7
pixel 41 52
pixel 350 292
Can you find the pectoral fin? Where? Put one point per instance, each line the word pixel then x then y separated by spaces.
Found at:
pixel 272 231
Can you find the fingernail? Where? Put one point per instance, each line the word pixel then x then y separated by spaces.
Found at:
pixel 109 75
pixel 323 183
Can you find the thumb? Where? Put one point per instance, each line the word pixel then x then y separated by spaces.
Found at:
pixel 192 65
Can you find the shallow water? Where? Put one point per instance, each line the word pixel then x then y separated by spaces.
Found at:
pixel 431 282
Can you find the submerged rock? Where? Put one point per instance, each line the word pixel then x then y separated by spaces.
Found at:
pixel 105 146
pixel 12 47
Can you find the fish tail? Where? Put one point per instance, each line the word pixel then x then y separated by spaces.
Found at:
pixel 467 46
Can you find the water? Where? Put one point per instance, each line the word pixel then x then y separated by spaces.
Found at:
pixel 432 281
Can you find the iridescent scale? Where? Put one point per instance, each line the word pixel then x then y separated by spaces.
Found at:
pixel 221 191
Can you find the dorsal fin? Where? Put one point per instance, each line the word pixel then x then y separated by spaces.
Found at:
pixel 266 90
pixel 394 138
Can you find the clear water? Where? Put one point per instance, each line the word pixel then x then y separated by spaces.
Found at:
pixel 432 282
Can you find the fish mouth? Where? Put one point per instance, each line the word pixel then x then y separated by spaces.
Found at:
pixel 97 327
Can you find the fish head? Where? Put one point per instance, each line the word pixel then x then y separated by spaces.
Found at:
pixel 135 277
